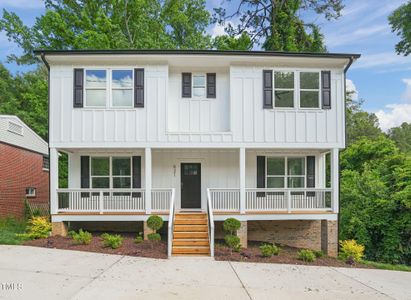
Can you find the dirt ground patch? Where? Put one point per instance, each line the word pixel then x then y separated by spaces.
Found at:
pixel 144 249
pixel 287 255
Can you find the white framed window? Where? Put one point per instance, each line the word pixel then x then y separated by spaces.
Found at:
pixel 110 172
pixel 122 88
pixel 199 85
pixel 285 172
pixel 30 192
pixel 95 85
pixel 309 89
pixel 284 86
pixel 46 163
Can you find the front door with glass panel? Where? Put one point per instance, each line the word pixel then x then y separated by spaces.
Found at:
pixel 190 185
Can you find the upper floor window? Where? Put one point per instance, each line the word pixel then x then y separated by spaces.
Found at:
pixel 46 162
pixel 309 89
pixel 199 85
pixel 122 88
pixel 284 89
pixel 96 88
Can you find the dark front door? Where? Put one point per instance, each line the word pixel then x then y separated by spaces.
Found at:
pixel 190 185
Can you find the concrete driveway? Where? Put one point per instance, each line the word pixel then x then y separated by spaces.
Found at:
pixel 39 273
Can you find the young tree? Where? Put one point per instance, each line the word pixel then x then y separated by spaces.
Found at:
pixel 402 137
pixel 400 21
pixel 227 42
pixel 278 24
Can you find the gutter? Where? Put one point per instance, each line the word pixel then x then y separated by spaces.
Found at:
pixel 46 63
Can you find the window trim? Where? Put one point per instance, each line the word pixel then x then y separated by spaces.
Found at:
pixel 310 90
pixel 294 89
pixel 286 176
pixel 204 97
pixel 109 87
pixel 111 176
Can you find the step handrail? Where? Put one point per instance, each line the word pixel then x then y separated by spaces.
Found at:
pixel 171 223
pixel 210 223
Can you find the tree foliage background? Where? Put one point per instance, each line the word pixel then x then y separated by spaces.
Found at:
pixel 375 167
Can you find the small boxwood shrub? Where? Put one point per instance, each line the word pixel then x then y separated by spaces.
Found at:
pixel 268 250
pixel 139 238
pixel 154 237
pixel 113 241
pixel 231 225
pixel 351 250
pixel 319 253
pixel 82 237
pixel 233 242
pixel 37 228
pixel 306 255
pixel 155 222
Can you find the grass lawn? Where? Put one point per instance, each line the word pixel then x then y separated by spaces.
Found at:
pixel 384 266
pixel 9 227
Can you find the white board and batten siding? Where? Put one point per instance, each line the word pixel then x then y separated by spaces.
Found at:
pixel 235 118
pixel 14 131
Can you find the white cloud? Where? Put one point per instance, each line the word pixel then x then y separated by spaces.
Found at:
pixel 217 30
pixel 338 39
pixel 407 93
pixel 394 115
pixel 23 4
pixel 387 59
pixel 350 86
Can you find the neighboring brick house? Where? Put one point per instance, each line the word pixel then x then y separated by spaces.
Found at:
pixel 24 167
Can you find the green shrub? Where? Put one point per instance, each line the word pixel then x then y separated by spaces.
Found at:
pixel 268 250
pixel 233 242
pixel 154 222
pixel 37 228
pixel 351 250
pixel 319 253
pixel 306 255
pixel 138 239
pixel 82 237
pixel 155 237
pixel 113 241
pixel 231 225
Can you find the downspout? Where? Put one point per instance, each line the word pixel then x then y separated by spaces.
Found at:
pixel 350 61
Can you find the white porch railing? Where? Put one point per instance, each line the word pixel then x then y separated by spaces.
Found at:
pixel 112 200
pixel 171 223
pixel 225 199
pixel 210 222
pixel 260 200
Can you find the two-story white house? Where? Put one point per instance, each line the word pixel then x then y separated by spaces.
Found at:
pixel 197 137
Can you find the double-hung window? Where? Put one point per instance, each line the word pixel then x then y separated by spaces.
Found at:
pixel 285 172
pixel 199 85
pixel 309 89
pixel 111 172
pixel 283 89
pixel 96 88
pixel 122 88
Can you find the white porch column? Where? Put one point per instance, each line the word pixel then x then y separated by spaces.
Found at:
pixel 147 167
pixel 54 180
pixel 335 178
pixel 242 180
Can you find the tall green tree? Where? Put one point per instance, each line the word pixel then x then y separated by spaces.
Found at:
pixel 400 21
pixel 401 135
pixel 278 24
pixel 110 24
pixel 227 42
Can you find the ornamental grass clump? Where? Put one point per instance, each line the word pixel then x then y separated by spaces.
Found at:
pixel 113 241
pixel 351 251
pixel 268 250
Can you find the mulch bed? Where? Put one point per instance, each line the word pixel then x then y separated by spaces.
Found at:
pixel 288 255
pixel 144 249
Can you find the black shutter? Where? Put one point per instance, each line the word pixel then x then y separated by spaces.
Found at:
pixel 211 85
pixel 186 85
pixel 260 171
pixel 85 171
pixel 268 88
pixel 78 83
pixel 136 172
pixel 310 171
pixel 326 89
pixel 138 87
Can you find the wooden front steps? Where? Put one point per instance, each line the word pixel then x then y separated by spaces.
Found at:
pixel 190 235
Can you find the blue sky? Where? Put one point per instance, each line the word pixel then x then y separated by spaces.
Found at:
pixel 380 77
